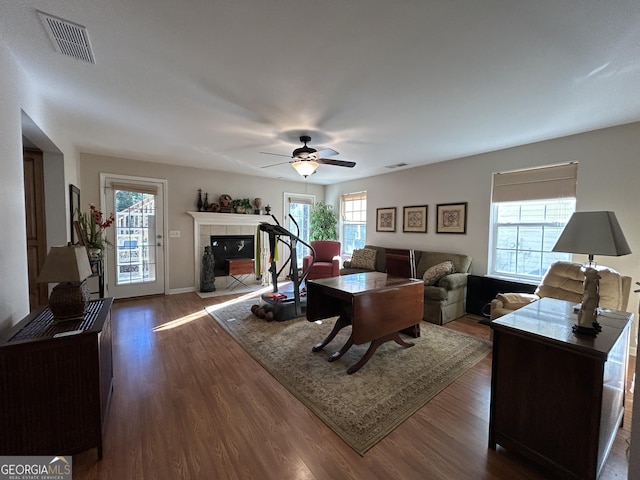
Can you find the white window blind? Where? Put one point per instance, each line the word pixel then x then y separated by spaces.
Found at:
pixel 138 188
pixel 558 181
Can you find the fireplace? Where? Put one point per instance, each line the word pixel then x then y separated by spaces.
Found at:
pixel 206 224
pixel 229 247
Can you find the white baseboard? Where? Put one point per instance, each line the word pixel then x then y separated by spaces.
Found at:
pixel 176 291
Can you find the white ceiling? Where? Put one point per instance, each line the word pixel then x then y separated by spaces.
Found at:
pixel 211 83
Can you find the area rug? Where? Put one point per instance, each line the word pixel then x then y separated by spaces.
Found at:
pixel 364 407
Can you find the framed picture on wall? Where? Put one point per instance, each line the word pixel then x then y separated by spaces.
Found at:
pixel 452 218
pixel 414 219
pixel 386 219
pixel 74 205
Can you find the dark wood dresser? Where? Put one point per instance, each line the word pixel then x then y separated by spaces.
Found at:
pixel 55 387
pixel 558 397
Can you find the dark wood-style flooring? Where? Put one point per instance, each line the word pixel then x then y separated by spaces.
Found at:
pixel 190 403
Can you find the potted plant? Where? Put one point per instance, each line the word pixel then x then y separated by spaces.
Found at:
pixel 92 226
pixel 241 205
pixel 323 223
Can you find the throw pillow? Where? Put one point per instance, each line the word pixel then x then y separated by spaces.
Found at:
pixel 435 273
pixel 364 258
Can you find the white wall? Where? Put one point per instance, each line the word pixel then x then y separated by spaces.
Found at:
pixel 608 179
pixel 18 98
pixel 14 294
pixel 183 185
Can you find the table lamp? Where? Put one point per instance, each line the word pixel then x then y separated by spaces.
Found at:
pixel 592 233
pixel 69 267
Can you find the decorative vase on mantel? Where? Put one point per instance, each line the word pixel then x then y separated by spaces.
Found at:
pixel 200 203
pixel 94 253
pixel 258 203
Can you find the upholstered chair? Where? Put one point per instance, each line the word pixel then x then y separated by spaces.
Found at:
pixel 327 262
pixel 564 281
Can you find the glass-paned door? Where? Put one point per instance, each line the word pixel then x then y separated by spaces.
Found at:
pixel 136 264
pixel 299 206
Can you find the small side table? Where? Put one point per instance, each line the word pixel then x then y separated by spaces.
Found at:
pixel 238 269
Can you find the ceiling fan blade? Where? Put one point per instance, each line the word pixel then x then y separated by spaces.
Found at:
pixel 274 164
pixel 338 163
pixel 325 152
pixel 276 154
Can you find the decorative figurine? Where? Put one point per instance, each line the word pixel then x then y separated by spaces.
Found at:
pixel 225 203
pixel 207 274
pixel 587 316
pixel 267 209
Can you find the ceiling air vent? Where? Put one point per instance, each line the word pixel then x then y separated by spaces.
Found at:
pixel 68 38
pixel 397 165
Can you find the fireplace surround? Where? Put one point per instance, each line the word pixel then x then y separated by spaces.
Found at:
pixel 207 224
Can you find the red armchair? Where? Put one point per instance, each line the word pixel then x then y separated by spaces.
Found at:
pixel 327 262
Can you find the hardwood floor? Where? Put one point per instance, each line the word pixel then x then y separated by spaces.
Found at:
pixel 190 403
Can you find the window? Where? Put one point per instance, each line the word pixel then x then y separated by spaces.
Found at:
pixel 353 207
pixel 530 208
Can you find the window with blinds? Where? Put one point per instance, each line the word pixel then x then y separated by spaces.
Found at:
pixel 530 208
pixel 353 213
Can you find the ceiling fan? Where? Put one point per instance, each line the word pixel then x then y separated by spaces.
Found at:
pixel 307 159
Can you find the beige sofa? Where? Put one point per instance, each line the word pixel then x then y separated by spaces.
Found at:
pixel 444 301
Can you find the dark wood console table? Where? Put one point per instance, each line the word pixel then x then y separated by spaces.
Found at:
pixel 558 397
pixel 55 387
pixel 376 306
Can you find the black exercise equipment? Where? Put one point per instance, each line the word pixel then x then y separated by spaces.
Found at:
pixel 281 305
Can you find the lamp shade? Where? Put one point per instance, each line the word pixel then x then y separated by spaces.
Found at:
pixel 66 264
pixel 593 233
pixel 305 167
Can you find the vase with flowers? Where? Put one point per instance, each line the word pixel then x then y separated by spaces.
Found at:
pixel 92 226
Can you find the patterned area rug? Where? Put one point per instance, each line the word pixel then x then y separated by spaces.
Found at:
pixel 364 407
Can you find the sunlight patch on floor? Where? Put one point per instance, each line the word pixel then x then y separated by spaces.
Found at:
pixel 255 294
pixel 178 322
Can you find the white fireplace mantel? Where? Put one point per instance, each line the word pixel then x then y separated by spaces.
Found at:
pixel 205 219
pixel 209 218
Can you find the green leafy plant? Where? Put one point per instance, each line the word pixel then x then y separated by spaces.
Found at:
pixel 242 203
pixel 323 223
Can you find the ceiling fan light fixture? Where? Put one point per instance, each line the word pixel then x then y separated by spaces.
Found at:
pixel 305 167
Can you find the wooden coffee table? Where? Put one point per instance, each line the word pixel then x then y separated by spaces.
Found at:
pixel 376 306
